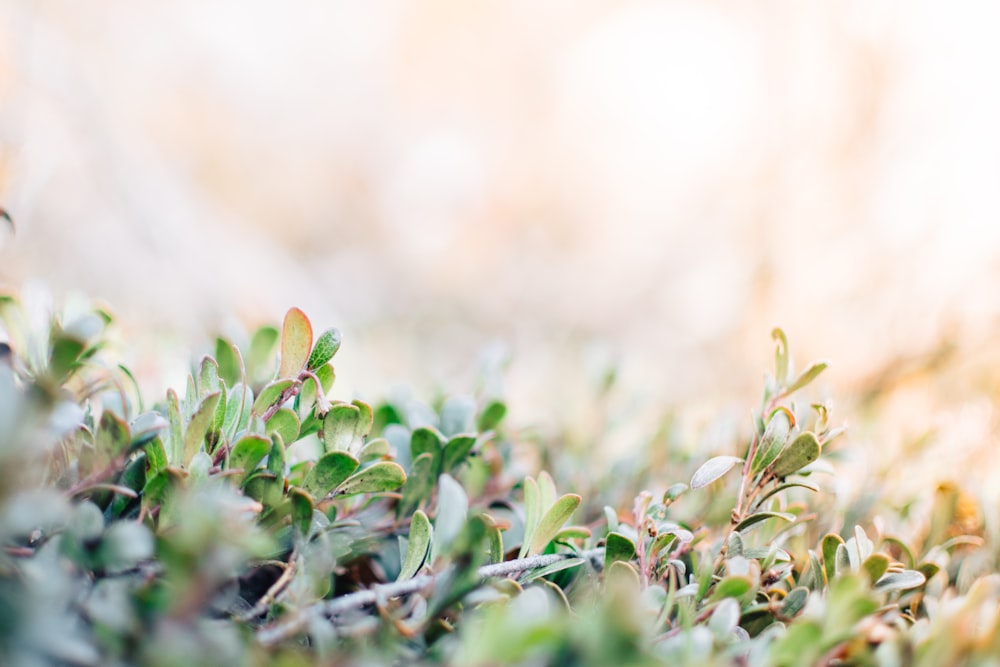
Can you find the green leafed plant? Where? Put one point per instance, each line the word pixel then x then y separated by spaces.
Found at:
pixel 250 518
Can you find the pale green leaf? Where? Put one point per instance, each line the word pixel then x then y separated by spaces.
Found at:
pixel 552 521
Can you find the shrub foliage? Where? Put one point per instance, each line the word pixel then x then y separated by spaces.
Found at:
pixel 253 518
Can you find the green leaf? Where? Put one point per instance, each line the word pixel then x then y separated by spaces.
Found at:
pixel 829 547
pixel 780 356
pixel 363 426
pixel 265 487
pixel 713 469
pixel 734 545
pixel 239 402
pixel 455 451
pixel 269 394
pixel 330 471
pixel 618 547
pixel 276 457
pixel 377 478
pixel 260 358
pixel 532 513
pixel 674 492
pixel 208 376
pixel 326 346
pixel 772 442
pixel 818 582
pixel 327 376
pixel 807 376
pixel 229 360
pixel 302 509
pixel 65 355
pixel 201 421
pixel 175 437
pixel 794 602
pixel 801 452
pixel 843 559
pixel 453 510
pixel 552 521
pixel 754 519
pixel 306 400
pixel 900 581
pixel 247 454
pixel 572 533
pixel 296 343
pixel 419 486
pixel 546 490
pixel 492 415
pixel 156 456
pixel 374 450
pixel 622 576
pixel 496 543
pixel 132 477
pixel 285 423
pixel 419 542
pixel 928 569
pixel 733 586
pixel 113 436
pixel 875 566
pixel 340 426
pixel 425 440
pixel 552 568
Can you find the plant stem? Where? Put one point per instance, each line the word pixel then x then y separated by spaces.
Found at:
pixel 278 632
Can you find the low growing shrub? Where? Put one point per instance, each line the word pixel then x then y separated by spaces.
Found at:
pixel 252 519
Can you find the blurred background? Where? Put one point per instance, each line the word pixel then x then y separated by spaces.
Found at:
pixel 571 186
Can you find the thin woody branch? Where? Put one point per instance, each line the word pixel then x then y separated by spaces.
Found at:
pixel 278 632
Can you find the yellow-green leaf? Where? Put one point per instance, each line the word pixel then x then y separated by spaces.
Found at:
pixel 552 521
pixel 296 343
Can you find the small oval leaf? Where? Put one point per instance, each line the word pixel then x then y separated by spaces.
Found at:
pixel 900 581
pixel 801 452
pixel 455 451
pixel 285 423
pixel 807 376
pixel 339 427
pixel 329 472
pixel 247 453
pixel 618 547
pixel 296 343
pixel 302 509
pixel 326 346
pixel 200 422
pixel 713 469
pixel 772 442
pixel 829 547
pixel 733 586
pixel 418 545
pixel 875 566
pixel 374 450
pixel 378 478
pixel 269 394
pixel 794 602
pixel 419 485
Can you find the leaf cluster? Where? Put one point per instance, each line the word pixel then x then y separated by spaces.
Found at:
pixel 253 519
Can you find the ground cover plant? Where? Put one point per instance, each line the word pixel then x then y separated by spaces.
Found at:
pixel 256 517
